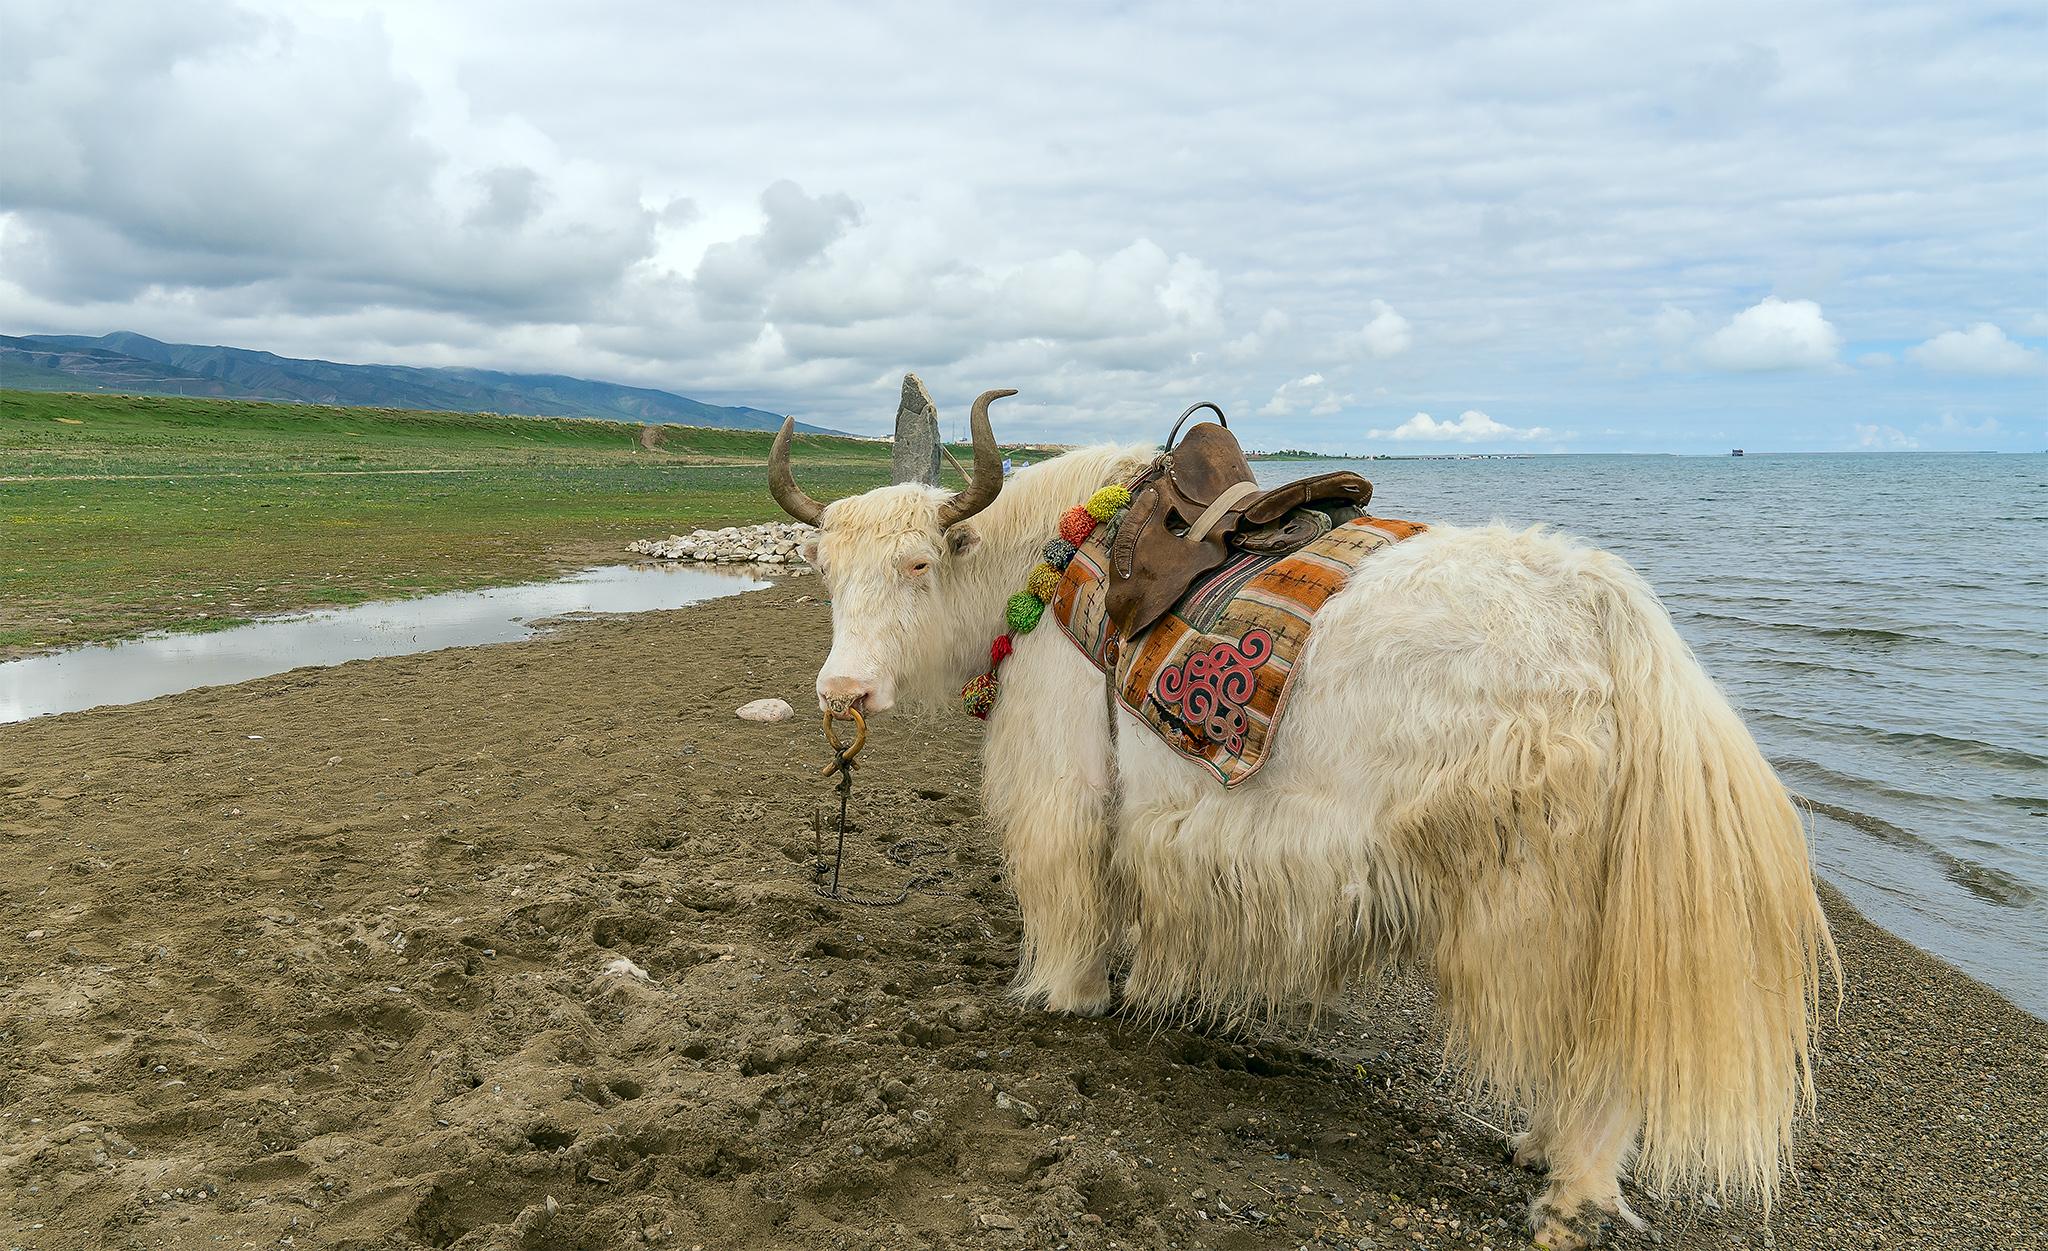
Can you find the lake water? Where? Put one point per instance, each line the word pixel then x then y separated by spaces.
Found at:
pixel 163 664
pixel 1882 623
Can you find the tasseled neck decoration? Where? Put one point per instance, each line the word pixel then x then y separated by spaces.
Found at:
pixel 1021 615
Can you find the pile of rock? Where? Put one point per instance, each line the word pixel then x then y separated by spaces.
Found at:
pixel 770 543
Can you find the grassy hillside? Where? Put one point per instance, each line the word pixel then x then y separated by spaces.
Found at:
pixel 120 514
pixel 125 363
pixel 42 433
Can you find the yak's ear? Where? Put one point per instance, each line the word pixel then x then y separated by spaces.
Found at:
pixel 808 549
pixel 962 539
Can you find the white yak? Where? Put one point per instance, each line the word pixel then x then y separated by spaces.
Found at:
pixel 1499 765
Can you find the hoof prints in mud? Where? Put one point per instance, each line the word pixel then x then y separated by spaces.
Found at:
pixel 548 1138
pixel 605 1093
pixel 453 1210
pixel 556 1193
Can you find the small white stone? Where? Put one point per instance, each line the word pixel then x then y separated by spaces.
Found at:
pixel 766 710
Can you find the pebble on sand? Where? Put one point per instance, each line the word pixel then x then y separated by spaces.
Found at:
pixel 766 710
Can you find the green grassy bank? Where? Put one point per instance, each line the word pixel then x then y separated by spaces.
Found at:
pixel 120 514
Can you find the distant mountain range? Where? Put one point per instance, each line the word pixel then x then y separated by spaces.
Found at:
pixel 138 365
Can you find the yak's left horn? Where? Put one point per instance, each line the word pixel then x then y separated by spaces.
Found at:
pixel 782 484
pixel 987 483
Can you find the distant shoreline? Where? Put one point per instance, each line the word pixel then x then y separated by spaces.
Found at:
pixel 1307 457
pixel 1315 456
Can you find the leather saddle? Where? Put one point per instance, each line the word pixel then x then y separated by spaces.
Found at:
pixel 1196 504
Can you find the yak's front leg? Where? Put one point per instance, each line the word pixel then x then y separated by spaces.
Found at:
pixel 1046 782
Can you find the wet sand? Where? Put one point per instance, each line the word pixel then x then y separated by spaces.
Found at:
pixel 516 947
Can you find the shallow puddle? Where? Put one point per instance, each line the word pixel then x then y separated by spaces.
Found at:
pixel 164 664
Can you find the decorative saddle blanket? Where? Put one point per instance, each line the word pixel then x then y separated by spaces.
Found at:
pixel 1210 677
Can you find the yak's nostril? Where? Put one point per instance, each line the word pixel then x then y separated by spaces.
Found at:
pixel 839 694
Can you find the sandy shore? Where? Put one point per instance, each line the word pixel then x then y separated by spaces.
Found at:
pixel 516 947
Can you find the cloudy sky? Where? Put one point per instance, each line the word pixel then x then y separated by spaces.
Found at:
pixel 1618 226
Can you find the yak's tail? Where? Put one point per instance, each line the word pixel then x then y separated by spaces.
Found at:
pixel 1707 972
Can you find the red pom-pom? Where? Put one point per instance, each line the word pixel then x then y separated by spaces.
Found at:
pixel 999 651
pixel 1076 525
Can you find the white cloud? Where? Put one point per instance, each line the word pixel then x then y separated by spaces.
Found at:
pixel 1982 349
pixel 1884 438
pixel 738 277
pixel 1773 334
pixel 293 160
pixel 1954 425
pixel 1472 426
pixel 1387 334
pixel 1310 393
pixel 1272 330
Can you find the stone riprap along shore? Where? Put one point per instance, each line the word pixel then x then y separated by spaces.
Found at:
pixel 770 543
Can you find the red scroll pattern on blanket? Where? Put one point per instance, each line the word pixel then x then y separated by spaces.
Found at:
pixel 1208 691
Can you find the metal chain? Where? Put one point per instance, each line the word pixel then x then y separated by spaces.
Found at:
pixel 904 851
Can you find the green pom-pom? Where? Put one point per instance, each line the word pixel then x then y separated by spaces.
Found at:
pixel 1023 613
pixel 979 696
pixel 1105 503
pixel 1045 580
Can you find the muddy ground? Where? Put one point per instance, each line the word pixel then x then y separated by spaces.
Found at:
pixel 516 947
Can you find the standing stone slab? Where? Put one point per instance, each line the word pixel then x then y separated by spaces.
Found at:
pixel 916 456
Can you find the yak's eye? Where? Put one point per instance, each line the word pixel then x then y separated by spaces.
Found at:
pixel 918 568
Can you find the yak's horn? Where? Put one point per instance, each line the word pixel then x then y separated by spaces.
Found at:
pixel 782 484
pixel 988 467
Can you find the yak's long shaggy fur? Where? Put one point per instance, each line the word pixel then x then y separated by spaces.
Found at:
pixel 1500 763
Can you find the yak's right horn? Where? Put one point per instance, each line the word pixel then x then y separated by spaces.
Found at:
pixel 782 484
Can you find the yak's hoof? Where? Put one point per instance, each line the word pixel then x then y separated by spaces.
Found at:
pixel 1527 1150
pixel 1078 997
pixel 1079 1002
pixel 1558 1229
pixel 1558 1235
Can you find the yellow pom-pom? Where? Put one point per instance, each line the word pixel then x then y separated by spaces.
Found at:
pixel 1105 503
pixel 1045 581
